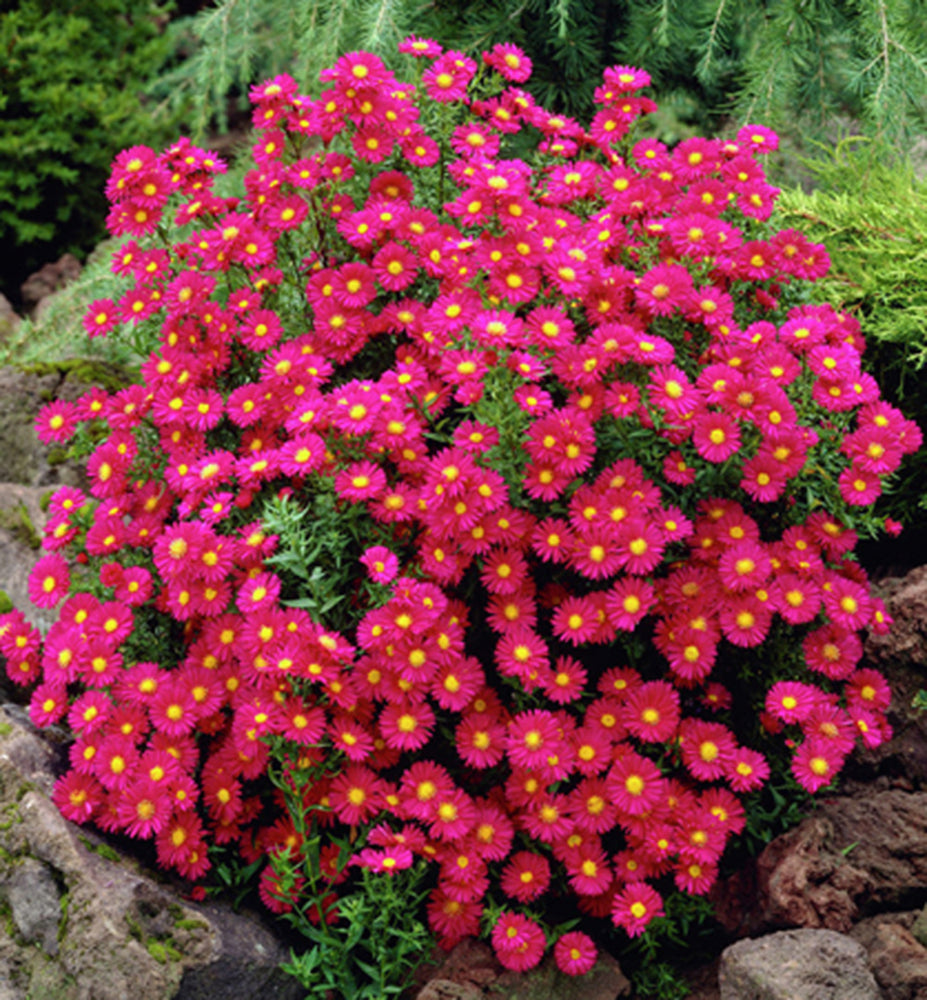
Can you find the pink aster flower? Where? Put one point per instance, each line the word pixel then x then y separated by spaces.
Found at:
pixel 382 565
pixel 518 941
pixel 49 581
pixel 509 62
pixel 635 906
pixel 447 78
pixel 575 953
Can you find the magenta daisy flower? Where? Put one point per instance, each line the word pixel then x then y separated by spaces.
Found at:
pixel 49 581
pixel 575 953
pixel 382 565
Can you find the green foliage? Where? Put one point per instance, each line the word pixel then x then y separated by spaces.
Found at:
pixel 70 99
pixel 654 960
pixel 870 210
pixel 365 944
pixel 320 541
pixel 58 333
pixel 374 947
pixel 789 63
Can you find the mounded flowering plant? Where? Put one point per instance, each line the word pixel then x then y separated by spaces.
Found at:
pixel 488 498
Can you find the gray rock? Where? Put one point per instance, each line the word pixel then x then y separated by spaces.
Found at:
pixel 49 279
pixel 112 925
pixel 21 523
pixel 797 965
pixel 34 903
pixel 9 323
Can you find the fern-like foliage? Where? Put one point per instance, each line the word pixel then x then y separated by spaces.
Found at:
pixel 870 210
pixel 788 63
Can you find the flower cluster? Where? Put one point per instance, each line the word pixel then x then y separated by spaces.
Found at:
pixel 600 447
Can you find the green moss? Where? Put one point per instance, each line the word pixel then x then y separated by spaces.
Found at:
pixel 163 951
pixel 91 371
pixel 10 816
pixel 102 850
pixel 18 523
pixel 188 924
pixel 6 605
pixel 5 727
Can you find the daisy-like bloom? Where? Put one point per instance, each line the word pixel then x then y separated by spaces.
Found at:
pixel 651 712
pixel 796 598
pixel 662 290
pixel 480 739
pixel 628 602
pixel 695 878
pixel 846 602
pixel 388 859
pixel 407 726
pixel 509 62
pixel 48 703
pixel 452 816
pixel 115 762
pixel 532 737
pixel 57 421
pixel 517 941
pixel 868 689
pixel 49 581
pixel 447 78
pixel 575 953
pixel 706 748
pixel 588 869
pixel 591 750
pixel 831 723
pixel 744 566
pixel 746 618
pixel 634 906
pixel 355 795
pixel 144 808
pixel 590 806
pixel 77 796
pixel 172 710
pixel 640 545
pixel 566 682
pixel 575 620
pixel 521 652
pixel 716 436
pixel 792 701
pixel 526 876
pixel 420 48
pixel 101 317
pixel 832 651
pixel 816 763
pixel 746 770
pixel 381 564
pixel 635 784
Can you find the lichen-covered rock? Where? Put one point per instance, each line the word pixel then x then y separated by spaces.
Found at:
pixel 99 925
pixel 797 965
pixel 21 521
pixel 24 390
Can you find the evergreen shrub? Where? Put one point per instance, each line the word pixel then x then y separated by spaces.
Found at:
pixel 869 206
pixel 71 79
pixel 482 519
